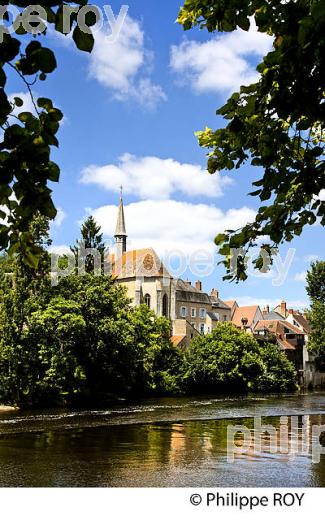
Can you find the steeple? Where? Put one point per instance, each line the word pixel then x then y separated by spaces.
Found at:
pixel 120 233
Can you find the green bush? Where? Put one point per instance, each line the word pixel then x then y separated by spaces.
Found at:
pixel 229 360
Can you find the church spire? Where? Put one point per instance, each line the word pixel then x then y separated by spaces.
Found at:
pixel 120 233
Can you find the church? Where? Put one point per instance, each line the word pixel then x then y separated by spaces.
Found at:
pixel 147 281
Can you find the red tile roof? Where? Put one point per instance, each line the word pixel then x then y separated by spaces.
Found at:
pixel 230 303
pixel 177 340
pixel 277 326
pixel 248 312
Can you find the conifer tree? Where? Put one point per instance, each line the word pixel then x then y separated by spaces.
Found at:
pixel 91 238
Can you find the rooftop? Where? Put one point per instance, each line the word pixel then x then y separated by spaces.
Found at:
pixel 185 292
pixel 138 263
pixel 248 312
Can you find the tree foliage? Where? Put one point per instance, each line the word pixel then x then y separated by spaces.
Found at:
pixel 232 360
pixel 81 342
pixel 276 123
pixel 316 292
pixel 91 238
pixel 316 281
pixel 26 168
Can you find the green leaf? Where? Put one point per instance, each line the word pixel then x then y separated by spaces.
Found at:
pixel 46 60
pixel 45 103
pixel 84 41
pixel 18 101
pixel 220 239
pixel 53 172
pixel 243 22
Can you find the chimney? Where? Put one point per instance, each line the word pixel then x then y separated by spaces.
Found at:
pixel 198 285
pixel 267 309
pixel 214 293
pixel 284 309
pixel 291 311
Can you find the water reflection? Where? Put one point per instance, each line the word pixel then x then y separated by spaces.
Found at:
pixel 161 449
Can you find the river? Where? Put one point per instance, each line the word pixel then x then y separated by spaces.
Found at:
pixel 166 442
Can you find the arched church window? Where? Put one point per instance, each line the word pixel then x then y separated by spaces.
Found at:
pixel 165 306
pixel 147 300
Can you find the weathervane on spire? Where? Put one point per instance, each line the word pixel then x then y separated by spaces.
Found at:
pixel 121 192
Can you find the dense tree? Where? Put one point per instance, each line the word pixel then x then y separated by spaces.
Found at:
pixel 160 362
pixel 232 360
pixel 80 342
pixel 26 168
pixel 276 123
pixel 91 238
pixel 316 281
pixel 316 315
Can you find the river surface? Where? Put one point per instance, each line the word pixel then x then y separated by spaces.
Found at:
pixel 172 442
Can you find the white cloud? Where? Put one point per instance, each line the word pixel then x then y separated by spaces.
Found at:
pixel 263 302
pixel 220 64
pixel 123 66
pixel 155 178
pixel 311 258
pixel 60 217
pixel 168 225
pixel 300 277
pixel 321 195
pixel 61 250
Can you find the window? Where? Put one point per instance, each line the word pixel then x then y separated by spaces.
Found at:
pixel 225 318
pixel 202 313
pixel 193 313
pixel 183 312
pixel 147 300
pixel 202 328
pixel 165 306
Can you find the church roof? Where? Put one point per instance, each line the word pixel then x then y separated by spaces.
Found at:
pixel 185 292
pixel 120 225
pixel 139 263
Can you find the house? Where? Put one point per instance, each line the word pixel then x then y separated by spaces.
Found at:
pixel 299 320
pixel 289 338
pixel 232 304
pixel 220 307
pixel 183 333
pixel 246 318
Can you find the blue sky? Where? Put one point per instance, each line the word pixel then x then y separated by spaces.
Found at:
pixel 131 110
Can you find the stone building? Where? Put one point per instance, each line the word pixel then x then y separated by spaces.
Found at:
pixel 147 281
